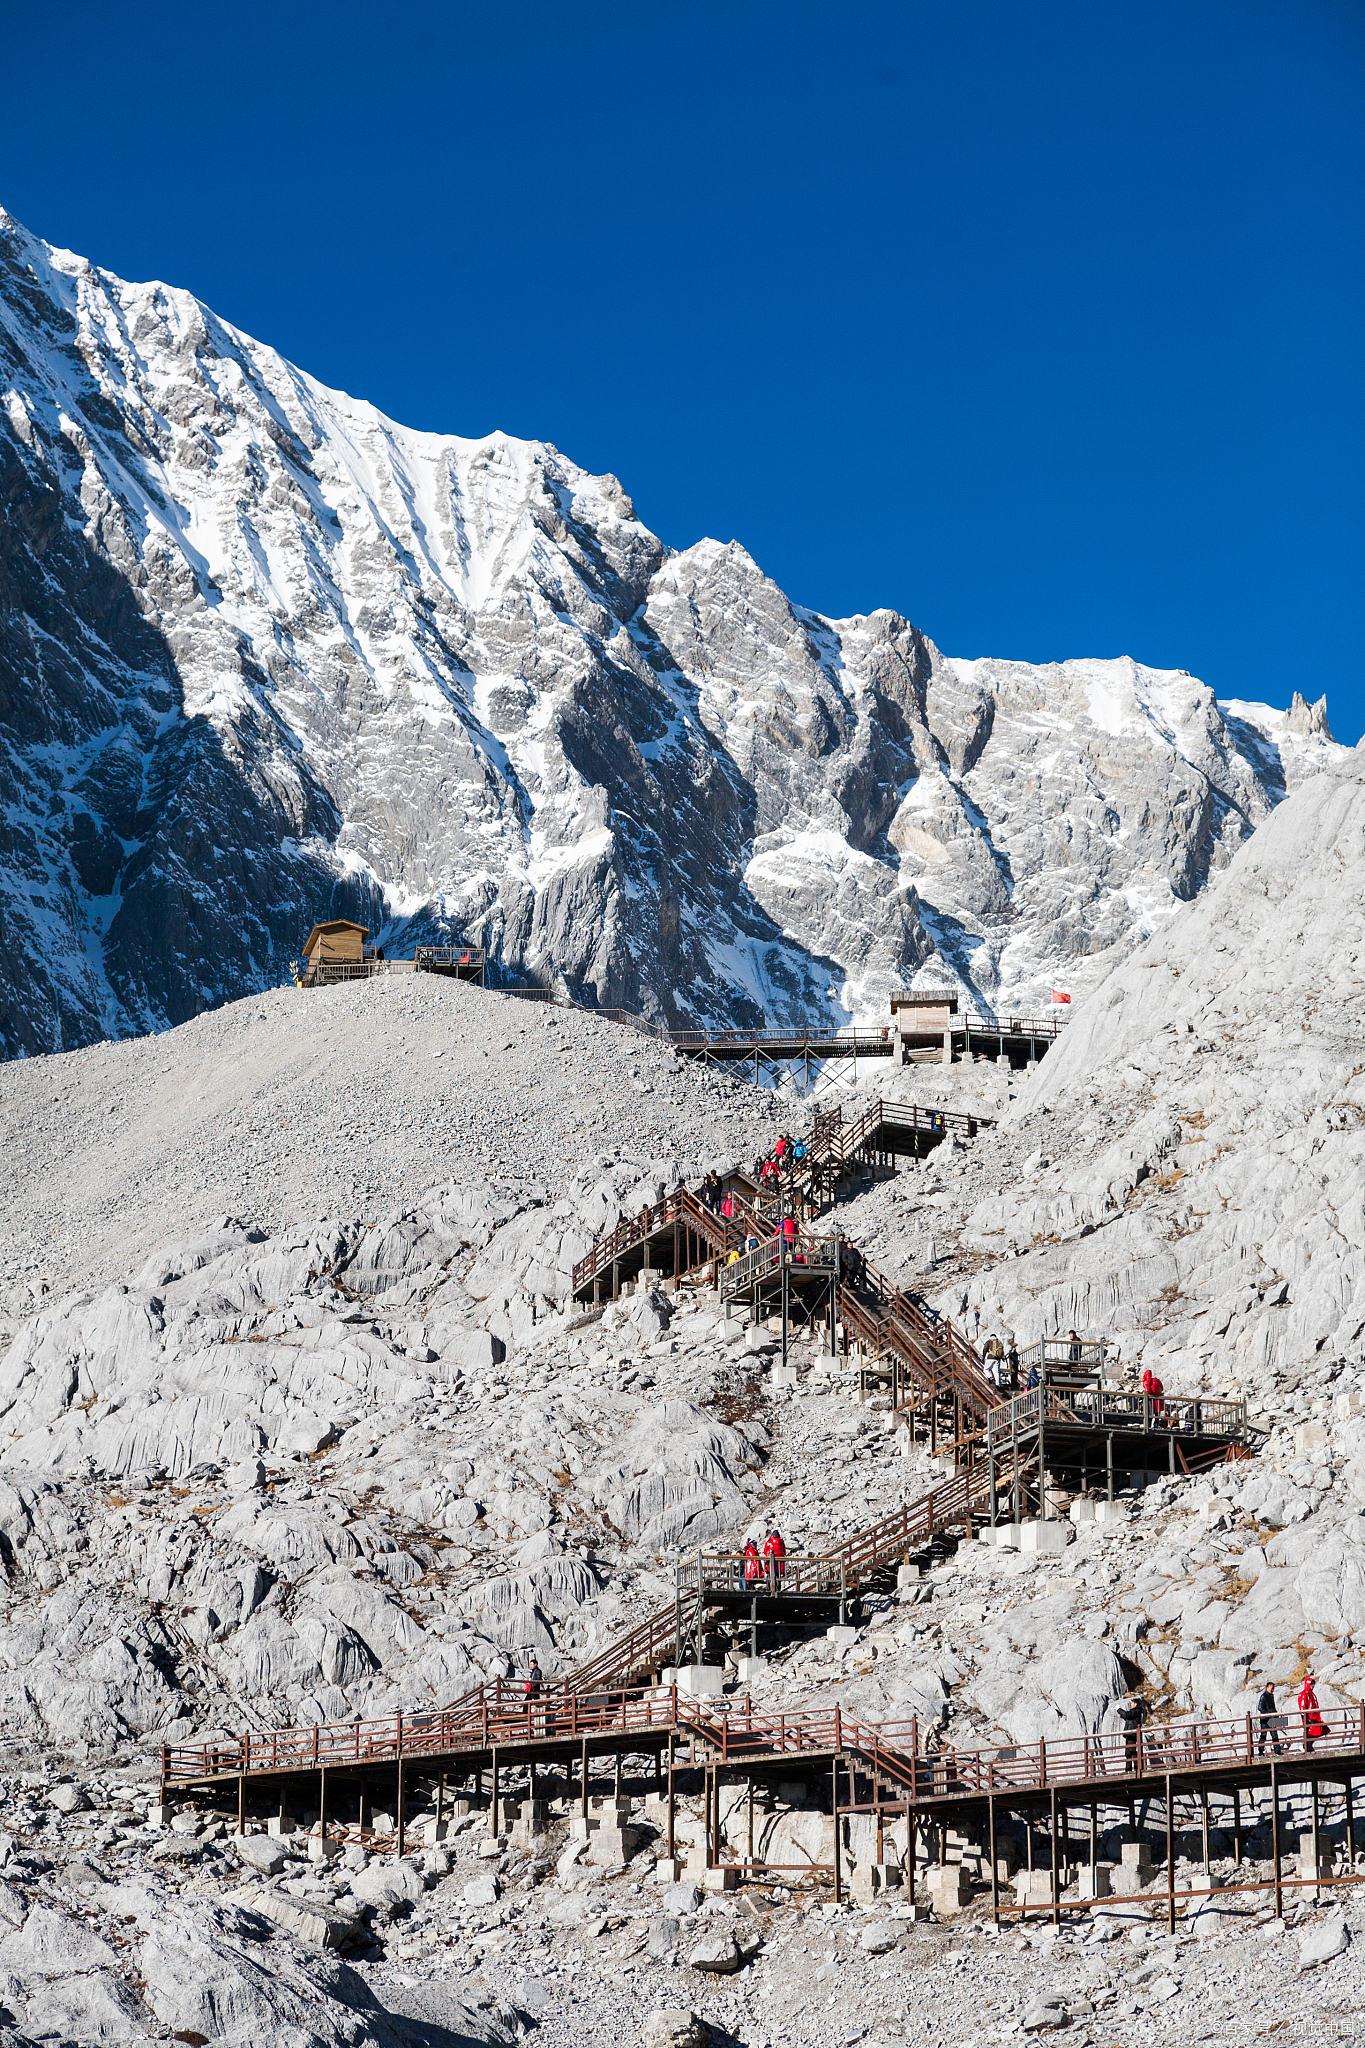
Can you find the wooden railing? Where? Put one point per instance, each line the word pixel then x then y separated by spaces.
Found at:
pixel 1099 1407
pixel 895 1750
pixel 681 1208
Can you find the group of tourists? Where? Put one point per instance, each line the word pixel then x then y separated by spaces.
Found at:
pixel 1272 1721
pixel 788 1155
pixel 764 1570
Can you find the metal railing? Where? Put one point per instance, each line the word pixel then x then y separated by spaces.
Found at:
pixel 1079 1354
pixel 1099 1408
pixel 681 1207
pixel 808 1256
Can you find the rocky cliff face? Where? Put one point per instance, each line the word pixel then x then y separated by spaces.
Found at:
pixel 267 656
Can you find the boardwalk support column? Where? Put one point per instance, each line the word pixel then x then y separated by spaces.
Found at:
pixel 1170 1856
pixel 493 1802
pixel 1236 1827
pixel 672 1800
pixel 241 1800
pixel 1052 1844
pixel 1350 1824
pixel 834 1801
pixel 1275 1836
pixel 1317 1845
pixel 995 1867
pixel 322 1802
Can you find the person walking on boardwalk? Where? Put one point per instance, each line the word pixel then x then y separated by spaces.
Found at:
pixel 1314 1727
pixel 534 1687
pixel 1012 1361
pixel 753 1565
pixel 994 1355
pixel 1270 1719
pixel 1132 1713
pixel 775 1557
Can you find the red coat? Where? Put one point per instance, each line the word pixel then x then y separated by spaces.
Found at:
pixel 776 1549
pixel 1314 1727
pixel 753 1563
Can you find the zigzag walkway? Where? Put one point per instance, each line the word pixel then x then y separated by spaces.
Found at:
pixel 678 1228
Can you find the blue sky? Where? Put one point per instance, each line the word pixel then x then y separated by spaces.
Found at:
pixel 1041 324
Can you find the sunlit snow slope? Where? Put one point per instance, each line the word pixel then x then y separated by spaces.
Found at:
pixel 266 656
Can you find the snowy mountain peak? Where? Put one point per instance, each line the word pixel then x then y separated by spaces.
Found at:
pixel 268 656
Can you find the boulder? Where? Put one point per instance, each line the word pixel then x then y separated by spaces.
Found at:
pixel 68 1798
pixel 1043 2014
pixel 259 1853
pixel 663 1938
pixel 1331 1939
pixel 717 1953
pixel 675 2027
pixel 314 1925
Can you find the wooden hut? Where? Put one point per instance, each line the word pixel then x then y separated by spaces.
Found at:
pixel 923 1009
pixel 335 942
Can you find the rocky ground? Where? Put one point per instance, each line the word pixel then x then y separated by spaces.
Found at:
pixel 323 1436
pixel 113 1930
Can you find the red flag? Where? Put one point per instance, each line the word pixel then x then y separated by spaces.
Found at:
pixel 1059 995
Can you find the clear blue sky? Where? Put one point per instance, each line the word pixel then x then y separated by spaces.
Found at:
pixel 1040 323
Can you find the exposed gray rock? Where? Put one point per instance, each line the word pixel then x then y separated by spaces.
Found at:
pixel 599 717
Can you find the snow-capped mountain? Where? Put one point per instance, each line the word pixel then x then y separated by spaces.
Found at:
pixel 267 656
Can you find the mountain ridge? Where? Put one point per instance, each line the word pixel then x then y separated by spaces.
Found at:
pixel 267 656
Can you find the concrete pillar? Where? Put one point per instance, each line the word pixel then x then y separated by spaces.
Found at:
pixel 948 1047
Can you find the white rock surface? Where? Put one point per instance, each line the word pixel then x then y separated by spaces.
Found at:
pixel 455 686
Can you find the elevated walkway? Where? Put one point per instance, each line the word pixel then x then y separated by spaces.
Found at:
pixel 1019 1041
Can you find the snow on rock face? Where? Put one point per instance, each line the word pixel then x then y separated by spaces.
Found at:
pixel 276 657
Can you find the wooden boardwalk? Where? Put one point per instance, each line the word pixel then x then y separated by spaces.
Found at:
pixel 1021 1041
pixel 496 1730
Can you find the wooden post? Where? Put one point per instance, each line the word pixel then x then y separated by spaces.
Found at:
pixel 322 1801
pixel 1170 1856
pixel 1317 1850
pixel 1204 1825
pixel 1236 1827
pixel 583 1779
pixel 493 1802
pixel 402 1802
pixel 1052 1844
pixel 1350 1824
pixel 834 1800
pixel 672 1803
pixel 995 1867
pixel 241 1800
pixel 750 1836
pixel 1275 1835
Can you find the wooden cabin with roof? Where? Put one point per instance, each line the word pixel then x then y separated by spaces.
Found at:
pixel 336 951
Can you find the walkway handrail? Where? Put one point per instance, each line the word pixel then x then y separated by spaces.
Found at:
pixel 1098 1759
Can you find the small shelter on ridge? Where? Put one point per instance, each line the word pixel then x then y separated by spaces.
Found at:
pixel 336 940
pixel 927 1009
